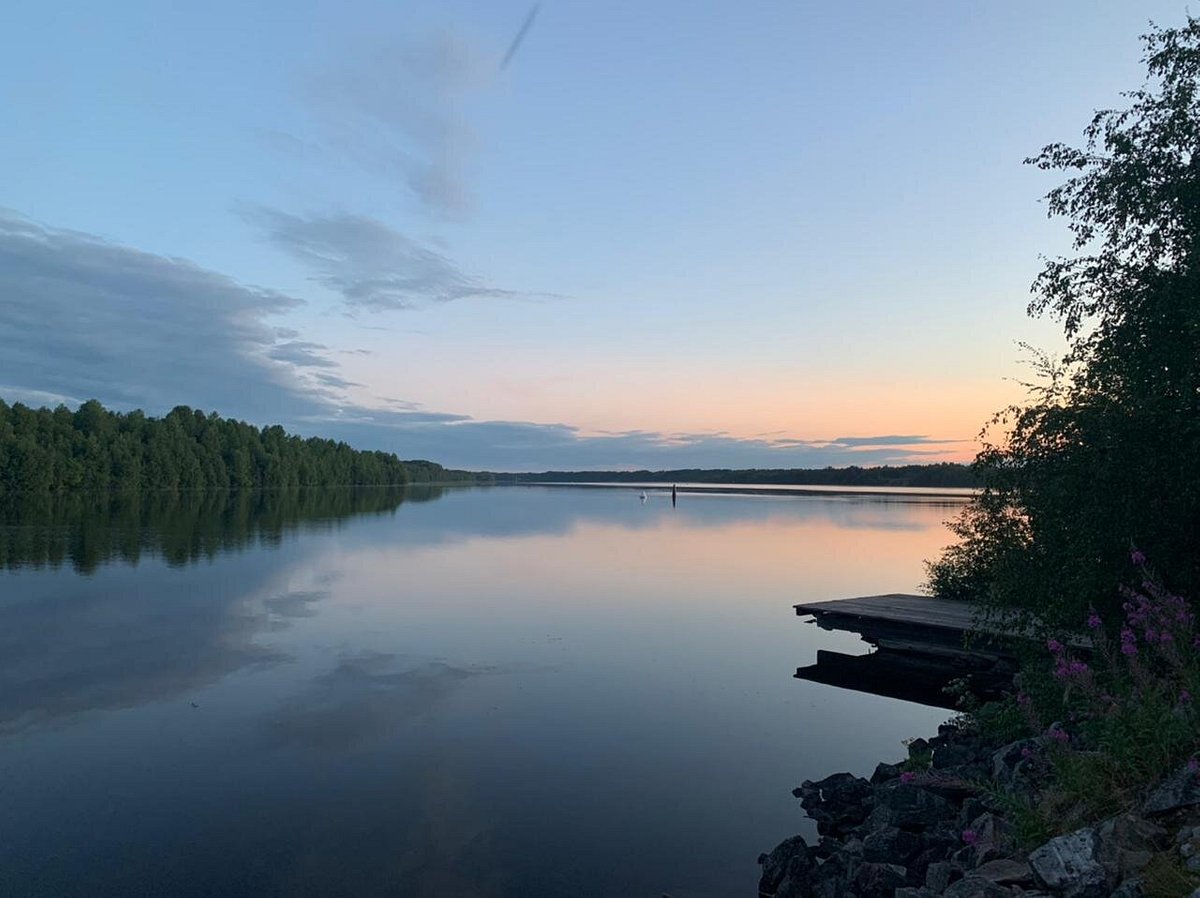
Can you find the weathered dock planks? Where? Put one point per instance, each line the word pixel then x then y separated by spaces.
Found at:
pixel 920 648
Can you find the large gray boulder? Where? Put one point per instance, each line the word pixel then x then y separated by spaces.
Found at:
pixel 879 880
pixel 786 871
pixel 1127 842
pixel 1180 790
pixel 1069 865
pixel 909 807
pixel 838 803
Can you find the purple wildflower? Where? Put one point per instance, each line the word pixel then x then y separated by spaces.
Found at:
pixel 907 776
pixel 1054 646
pixel 1058 735
pixel 1128 642
pixel 1138 557
pixel 1093 621
pixel 1193 765
pixel 969 836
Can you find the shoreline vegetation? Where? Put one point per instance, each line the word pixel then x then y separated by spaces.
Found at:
pixel 94 449
pixel 1084 780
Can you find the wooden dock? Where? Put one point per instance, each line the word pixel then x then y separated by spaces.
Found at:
pixel 893 613
pixel 919 645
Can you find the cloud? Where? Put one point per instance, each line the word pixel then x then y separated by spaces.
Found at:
pixel 372 266
pixel 363 699
pixel 528 446
pixel 399 111
pixel 301 354
pixel 891 440
pixel 85 317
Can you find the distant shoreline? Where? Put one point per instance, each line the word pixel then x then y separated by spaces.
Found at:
pixel 949 493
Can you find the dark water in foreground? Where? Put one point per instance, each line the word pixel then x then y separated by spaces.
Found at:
pixel 506 692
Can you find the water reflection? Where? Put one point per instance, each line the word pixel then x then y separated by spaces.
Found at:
pixel 87 530
pixel 505 692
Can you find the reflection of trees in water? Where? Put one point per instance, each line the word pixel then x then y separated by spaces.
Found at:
pixel 90 529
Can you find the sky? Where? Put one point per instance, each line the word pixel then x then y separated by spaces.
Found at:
pixel 644 235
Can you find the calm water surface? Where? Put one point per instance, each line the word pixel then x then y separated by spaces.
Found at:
pixel 508 692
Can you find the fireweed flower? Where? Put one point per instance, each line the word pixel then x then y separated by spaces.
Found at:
pixel 1093 621
pixel 1137 557
pixel 1128 642
pixel 907 776
pixel 1058 735
pixel 1054 646
pixel 969 836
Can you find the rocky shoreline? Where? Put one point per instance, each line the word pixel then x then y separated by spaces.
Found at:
pixel 935 826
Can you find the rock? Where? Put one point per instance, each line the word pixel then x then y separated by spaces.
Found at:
pixel 908 807
pixel 971 810
pixel 1180 790
pixel 1127 842
pixel 885 772
pixel 947 756
pixel 1007 759
pixel 941 874
pixel 879 880
pixel 786 870
pixel 891 845
pixel 1068 864
pixel 990 842
pixel 975 887
pixel 1131 888
pixel 1005 871
pixel 837 803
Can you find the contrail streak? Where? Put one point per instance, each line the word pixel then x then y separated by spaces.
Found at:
pixel 516 44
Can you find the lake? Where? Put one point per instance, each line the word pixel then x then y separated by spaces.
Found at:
pixel 520 691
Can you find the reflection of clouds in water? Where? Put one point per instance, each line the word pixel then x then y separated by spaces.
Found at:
pixel 109 650
pixel 137 637
pixel 298 603
pixel 363 699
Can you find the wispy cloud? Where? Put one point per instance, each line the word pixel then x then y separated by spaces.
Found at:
pixel 372 266
pixel 399 110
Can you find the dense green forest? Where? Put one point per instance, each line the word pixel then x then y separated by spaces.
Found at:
pixel 944 474
pixel 92 448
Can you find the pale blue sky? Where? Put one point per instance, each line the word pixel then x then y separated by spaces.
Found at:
pixel 667 233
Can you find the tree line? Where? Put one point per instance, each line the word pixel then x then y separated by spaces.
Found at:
pixel 93 448
pixel 943 474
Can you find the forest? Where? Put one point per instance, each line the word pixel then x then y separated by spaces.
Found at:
pixel 93 448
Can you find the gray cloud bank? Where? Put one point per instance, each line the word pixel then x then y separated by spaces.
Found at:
pixel 373 267
pixel 82 317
